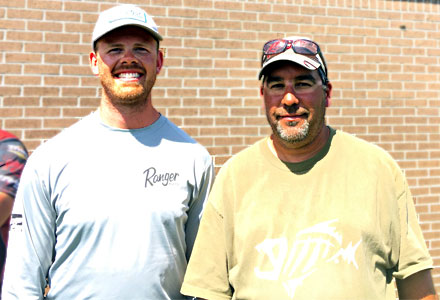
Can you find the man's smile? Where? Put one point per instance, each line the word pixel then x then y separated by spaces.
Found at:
pixel 129 74
pixel 292 117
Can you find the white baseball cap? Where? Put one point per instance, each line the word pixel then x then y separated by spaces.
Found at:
pixel 307 61
pixel 123 15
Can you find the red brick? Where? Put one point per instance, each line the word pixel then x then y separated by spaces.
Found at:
pixel 21 101
pixel 59 101
pixel 41 69
pixel 12 24
pixel 77 112
pixel 46 91
pixel 42 47
pixel 87 102
pixel 42 112
pixel 10 68
pixel 22 80
pixel 59 123
pixel 80 6
pixel 44 4
pixel 76 70
pixel 202 121
pixel 23 123
pixel 8 3
pixel 24 36
pixel 8 91
pixel 25 14
pixel 78 27
pixel 44 26
pixel 40 134
pixel 63 16
pixel 62 37
pixel 73 91
pixel 23 58
pixel 219 150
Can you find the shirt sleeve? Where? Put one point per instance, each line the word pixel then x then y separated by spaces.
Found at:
pixel 207 274
pixel 413 256
pixel 27 277
pixel 199 197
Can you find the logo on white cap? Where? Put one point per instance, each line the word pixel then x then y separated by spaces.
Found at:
pixel 131 14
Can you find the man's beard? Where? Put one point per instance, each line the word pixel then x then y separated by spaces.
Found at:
pixel 293 134
pixel 129 94
pixel 305 133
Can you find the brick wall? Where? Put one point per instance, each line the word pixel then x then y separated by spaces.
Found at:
pixel 383 58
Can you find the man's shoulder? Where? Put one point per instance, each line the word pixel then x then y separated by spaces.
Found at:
pixel 350 146
pixel 66 140
pixel 354 142
pixel 174 134
pixel 171 130
pixel 247 156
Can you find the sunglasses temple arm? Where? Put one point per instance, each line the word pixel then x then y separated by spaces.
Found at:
pixel 321 62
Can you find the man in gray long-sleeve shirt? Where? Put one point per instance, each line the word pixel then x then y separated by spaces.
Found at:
pixel 112 204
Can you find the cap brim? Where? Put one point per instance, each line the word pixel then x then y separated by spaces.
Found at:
pixel 289 55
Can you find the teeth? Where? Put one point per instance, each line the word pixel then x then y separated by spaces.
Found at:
pixel 129 75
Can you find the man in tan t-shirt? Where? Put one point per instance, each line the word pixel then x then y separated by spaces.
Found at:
pixel 310 212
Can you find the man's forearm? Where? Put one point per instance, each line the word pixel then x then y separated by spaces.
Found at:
pixel 6 204
pixel 417 286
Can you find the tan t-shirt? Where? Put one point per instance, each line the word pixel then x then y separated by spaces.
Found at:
pixel 342 230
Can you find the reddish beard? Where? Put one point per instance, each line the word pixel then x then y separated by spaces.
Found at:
pixel 126 93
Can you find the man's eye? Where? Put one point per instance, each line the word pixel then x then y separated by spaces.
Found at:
pixel 303 84
pixel 114 50
pixel 141 49
pixel 277 86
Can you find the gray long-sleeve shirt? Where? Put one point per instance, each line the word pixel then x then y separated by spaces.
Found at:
pixel 110 213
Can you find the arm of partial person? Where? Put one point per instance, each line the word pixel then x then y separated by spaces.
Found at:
pixel 6 204
pixel 27 277
pixel 417 286
pixel 13 155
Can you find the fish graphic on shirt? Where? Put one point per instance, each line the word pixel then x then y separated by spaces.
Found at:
pixel 318 244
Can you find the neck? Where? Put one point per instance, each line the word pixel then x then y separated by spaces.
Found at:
pixel 127 117
pixel 290 153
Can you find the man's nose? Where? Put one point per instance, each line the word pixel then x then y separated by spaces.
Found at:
pixel 129 57
pixel 289 99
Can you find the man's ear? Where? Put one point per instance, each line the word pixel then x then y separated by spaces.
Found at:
pixel 328 96
pixel 263 105
pixel 159 62
pixel 93 60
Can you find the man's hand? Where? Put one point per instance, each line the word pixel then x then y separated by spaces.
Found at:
pixel 417 286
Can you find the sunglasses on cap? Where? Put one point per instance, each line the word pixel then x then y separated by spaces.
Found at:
pixel 300 46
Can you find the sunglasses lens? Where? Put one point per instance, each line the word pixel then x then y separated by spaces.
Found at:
pixel 305 47
pixel 274 47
